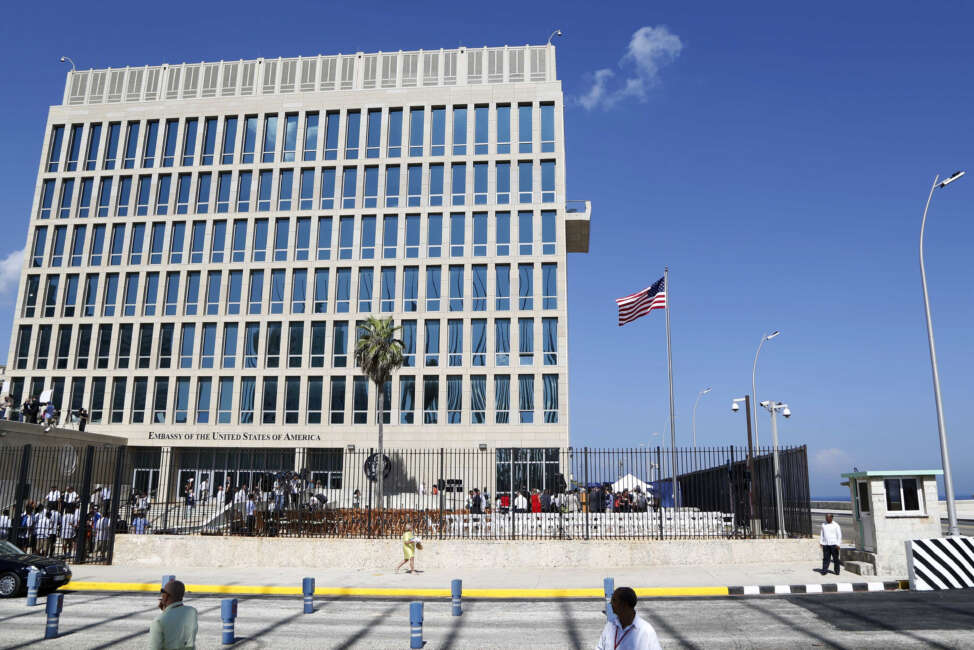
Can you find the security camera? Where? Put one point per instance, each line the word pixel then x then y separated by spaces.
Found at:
pixel 735 407
pixel 765 403
pixel 786 412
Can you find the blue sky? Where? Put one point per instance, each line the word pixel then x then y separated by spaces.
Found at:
pixel 777 159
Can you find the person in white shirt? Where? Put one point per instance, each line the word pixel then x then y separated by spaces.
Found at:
pixel 204 490
pixel 102 532
pixel 70 496
pixel 520 503
pixel 4 524
pixel 830 539
pixel 53 497
pixel 626 630
pixel 69 525
pixel 44 528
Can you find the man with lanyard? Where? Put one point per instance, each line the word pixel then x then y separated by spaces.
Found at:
pixel 626 630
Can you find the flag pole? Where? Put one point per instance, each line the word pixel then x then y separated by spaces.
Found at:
pixel 669 365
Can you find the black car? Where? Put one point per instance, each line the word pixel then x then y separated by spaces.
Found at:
pixel 15 565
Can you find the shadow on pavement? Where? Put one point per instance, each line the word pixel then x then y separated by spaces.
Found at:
pixel 367 628
pixel 786 622
pixel 143 631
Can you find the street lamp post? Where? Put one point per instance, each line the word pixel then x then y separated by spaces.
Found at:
pixel 773 408
pixel 694 419
pixel 952 528
pixel 67 59
pixel 754 391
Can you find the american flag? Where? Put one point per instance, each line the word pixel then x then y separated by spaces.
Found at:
pixel 642 302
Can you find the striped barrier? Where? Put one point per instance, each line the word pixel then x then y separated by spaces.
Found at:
pixel 940 563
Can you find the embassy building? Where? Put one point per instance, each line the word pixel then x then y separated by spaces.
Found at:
pixel 205 238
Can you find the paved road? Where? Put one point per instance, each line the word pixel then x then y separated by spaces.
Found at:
pixel 862 620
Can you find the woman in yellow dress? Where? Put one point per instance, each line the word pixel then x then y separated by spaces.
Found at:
pixel 409 545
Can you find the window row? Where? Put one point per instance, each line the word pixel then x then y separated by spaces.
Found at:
pixel 476 342
pixel 350 134
pixel 285 239
pixel 427 399
pixel 365 290
pixel 266 190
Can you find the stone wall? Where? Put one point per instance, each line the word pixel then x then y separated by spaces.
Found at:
pixel 204 551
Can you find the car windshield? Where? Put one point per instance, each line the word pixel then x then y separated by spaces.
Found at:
pixel 6 548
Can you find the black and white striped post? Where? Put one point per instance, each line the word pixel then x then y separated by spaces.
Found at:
pixel 940 563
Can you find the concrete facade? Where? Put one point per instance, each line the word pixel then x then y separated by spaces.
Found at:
pixel 202 551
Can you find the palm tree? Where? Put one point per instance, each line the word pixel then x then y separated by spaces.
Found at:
pixel 379 353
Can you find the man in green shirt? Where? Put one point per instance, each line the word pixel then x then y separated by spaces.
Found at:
pixel 176 627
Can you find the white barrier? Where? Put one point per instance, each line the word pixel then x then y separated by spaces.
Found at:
pixel 940 563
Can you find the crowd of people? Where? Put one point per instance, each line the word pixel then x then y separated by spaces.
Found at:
pixel 596 499
pixel 53 526
pixel 34 411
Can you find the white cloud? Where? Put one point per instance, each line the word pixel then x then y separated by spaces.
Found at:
pixel 650 49
pixel 10 268
pixel 832 461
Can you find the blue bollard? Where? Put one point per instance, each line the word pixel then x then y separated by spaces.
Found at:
pixel 55 602
pixel 33 584
pixel 308 588
pixel 228 612
pixel 609 585
pixel 456 589
pixel 416 625
pixel 166 579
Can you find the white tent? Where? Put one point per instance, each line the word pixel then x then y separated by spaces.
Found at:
pixel 630 482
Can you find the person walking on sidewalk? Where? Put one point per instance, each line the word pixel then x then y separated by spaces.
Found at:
pixel 830 539
pixel 627 631
pixel 409 545
pixel 176 627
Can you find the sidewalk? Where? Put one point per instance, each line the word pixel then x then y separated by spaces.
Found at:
pixel 483 583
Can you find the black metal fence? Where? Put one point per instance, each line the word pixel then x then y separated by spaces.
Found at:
pixel 61 501
pixel 504 493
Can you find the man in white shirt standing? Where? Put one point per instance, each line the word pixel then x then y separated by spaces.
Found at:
pixel 830 539
pixel 627 631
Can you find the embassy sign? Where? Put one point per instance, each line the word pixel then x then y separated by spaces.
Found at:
pixel 231 437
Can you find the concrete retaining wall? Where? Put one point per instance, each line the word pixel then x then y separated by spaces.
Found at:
pixel 200 551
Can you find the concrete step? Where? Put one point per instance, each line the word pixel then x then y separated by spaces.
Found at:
pixel 856 555
pixel 859 568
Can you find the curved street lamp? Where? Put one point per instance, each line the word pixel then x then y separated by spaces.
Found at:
pixel 952 528
pixel 67 59
pixel 557 32
pixel 754 392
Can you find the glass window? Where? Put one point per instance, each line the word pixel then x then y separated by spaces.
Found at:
pixel 454 399
pixel 434 235
pixel 209 141
pixel 525 285
pixel 550 398
pixel 94 141
pixel 502 342
pixel 549 335
pixel 524 128
pixel 81 355
pixel 131 145
pixel 337 403
pixel 331 135
pixel 176 240
pixel 84 200
pixel 104 345
pixel 324 238
pixel 264 182
pixel 459 130
pixel 131 293
pixel 503 287
pixel 388 288
pixel 407 400
pixel 390 233
pixel 169 143
pixel 67 193
pixel 549 286
pixel 394 144
pixel 95 412
pixel 547 181
pixel 479 287
pixel 410 283
pixel 480 234
pixel 104 196
pixel 256 292
pixel 478 399
pixel 480 133
pixel 229 359
pixel 310 135
pixel 292 399
pixel 111 150
pixel 143 196
pixel 353 122
pixel 124 196
pixel 365 290
pixel 478 341
pixel 251 344
pixel 432 288
pixel 343 290
pixel 525 222
pixel 436 185
pixel 186 345
pixel 196 239
pixel 229 139
pixel 348 187
pixel 416 132
pixel 360 400
pixel 339 358
pixel 47 198
pixel 208 345
pixel 144 358
pixel 374 133
pixel 307 189
pixel 191 307
pixel 431 347
pixel 437 131
pixel 295 344
pixel 270 138
pixel 285 189
pixel 456 234
pixel 162 194
pixel 260 240
pixel 458 187
pixel 503 221
pixel 290 137
pixel 244 182
pixel 431 399
pixel 61 233
pixel 299 290
pixel 51 294
pixel 525 339
pixel 525 390
pixel 239 242
pixel 166 337
pixel 64 343
pixel 204 386
pixel 414 184
pixel 455 330
pixel 318 344
pixel 480 183
pixel 371 183
pixel 218 241
pixel 547 128
pixel 327 188
pixel 392 186
pixel 503 129
pixel 269 402
pixel 248 396
pixel 524 182
pixel 412 235
pixel 277 291
pixel 111 295
pixel 272 359
pixel 189 142
pixel 281 225
pixel 150 294
pixel 225 404
pixel 456 288
pixel 140 390
pixel 182 193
